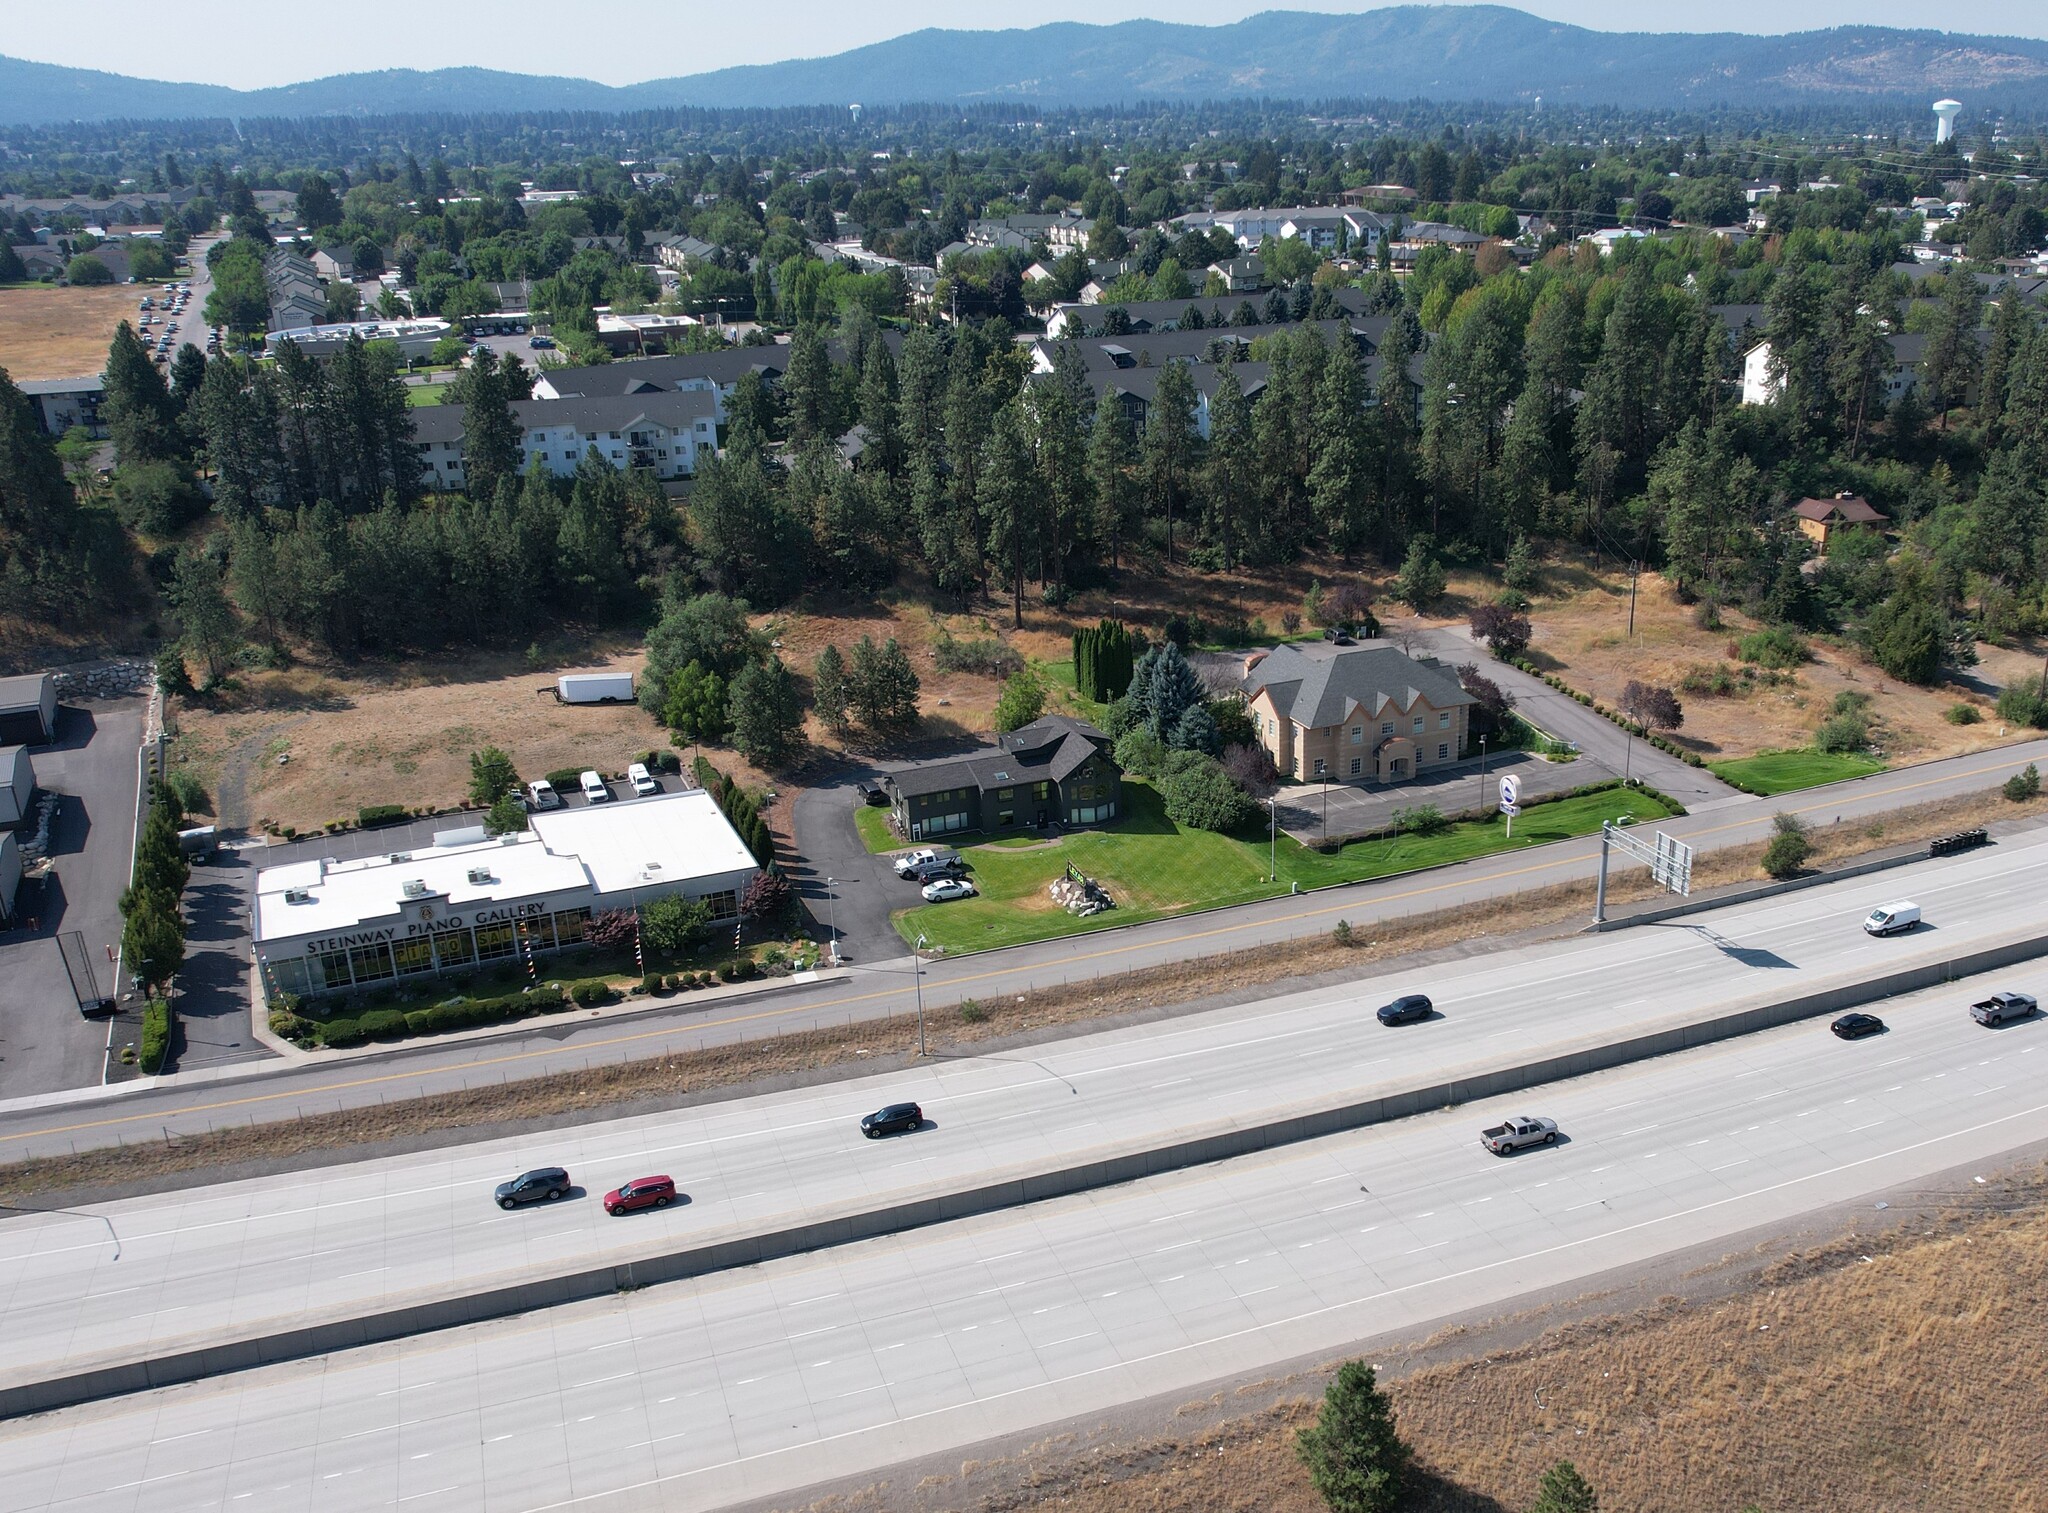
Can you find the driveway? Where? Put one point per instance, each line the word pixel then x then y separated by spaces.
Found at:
pixel 1337 811
pixel 45 1044
pixel 864 887
pixel 1606 744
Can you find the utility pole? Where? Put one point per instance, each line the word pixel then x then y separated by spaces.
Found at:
pixel 917 972
pixel 1635 568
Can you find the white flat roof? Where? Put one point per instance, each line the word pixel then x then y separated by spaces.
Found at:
pixel 636 843
pixel 667 839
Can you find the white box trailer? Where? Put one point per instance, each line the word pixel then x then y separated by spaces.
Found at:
pixel 595 688
pixel 17 786
pixel 28 710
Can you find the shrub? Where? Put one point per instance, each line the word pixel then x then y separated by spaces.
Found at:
pixel 2023 785
pixel 673 923
pixel 2024 704
pixel 591 991
pixel 972 1012
pixel 1505 631
pixel 1789 846
pixel 651 983
pixel 1772 646
pixel 1715 681
pixel 188 790
pixel 1354 1457
pixel 370 816
pixel 157 1021
pixel 1963 714
pixel 382 1024
pixel 1198 793
pixel 1423 819
pixel 738 970
pixel 986 656
pixel 339 1034
pixel 565 778
pixel 1342 934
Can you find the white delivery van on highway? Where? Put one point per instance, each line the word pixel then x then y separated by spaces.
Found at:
pixel 1890 919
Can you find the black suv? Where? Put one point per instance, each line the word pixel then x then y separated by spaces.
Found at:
pixel 887 1121
pixel 542 1186
pixel 1407 1009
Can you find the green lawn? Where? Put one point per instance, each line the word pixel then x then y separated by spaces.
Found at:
pixel 1066 693
pixel 1778 772
pixel 872 821
pixel 425 394
pixel 1154 868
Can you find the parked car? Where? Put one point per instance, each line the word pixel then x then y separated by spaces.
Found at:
pixel 1891 919
pixel 593 786
pixel 2003 1008
pixel 938 867
pixel 871 793
pixel 543 1185
pixel 540 794
pixel 641 779
pixel 1518 1134
pixel 1856 1026
pixel 1409 1008
pixel 946 888
pixel 540 343
pixel 641 1192
pixel 887 1121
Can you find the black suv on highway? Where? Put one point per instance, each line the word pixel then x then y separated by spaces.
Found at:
pixel 541 1186
pixel 897 1116
pixel 1407 1009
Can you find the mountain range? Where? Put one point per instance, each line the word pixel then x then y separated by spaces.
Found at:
pixel 1479 52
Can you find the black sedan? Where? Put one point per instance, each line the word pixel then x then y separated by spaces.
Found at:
pixel 542 1186
pixel 1409 1008
pixel 1856 1026
pixel 891 1120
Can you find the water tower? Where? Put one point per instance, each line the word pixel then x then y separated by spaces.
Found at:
pixel 1945 113
pixel 855 109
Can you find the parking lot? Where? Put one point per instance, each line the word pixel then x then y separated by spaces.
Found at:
pixel 45 1044
pixel 1335 811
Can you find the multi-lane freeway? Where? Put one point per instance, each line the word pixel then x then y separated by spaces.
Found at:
pixel 149 1276
pixel 770 1379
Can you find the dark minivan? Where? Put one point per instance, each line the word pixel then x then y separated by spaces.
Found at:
pixel 541 1186
pixel 1410 1008
pixel 887 1121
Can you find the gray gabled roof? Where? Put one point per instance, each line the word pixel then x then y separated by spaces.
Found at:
pixel 597 413
pixel 644 374
pixel 1319 684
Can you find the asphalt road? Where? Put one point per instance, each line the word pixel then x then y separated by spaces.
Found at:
pixel 876 989
pixel 769 1380
pixel 208 1264
pixel 45 1043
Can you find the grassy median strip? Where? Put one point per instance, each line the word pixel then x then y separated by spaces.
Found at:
pixel 1776 772
pixel 622 1089
pixel 1154 868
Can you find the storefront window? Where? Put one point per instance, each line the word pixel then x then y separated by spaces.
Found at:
pixel 330 969
pixel 494 942
pixel 571 926
pixel 724 905
pixel 414 955
pixel 288 975
pixel 371 963
pixel 539 932
pixel 454 948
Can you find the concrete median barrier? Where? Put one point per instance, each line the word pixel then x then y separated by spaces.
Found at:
pixel 325 1336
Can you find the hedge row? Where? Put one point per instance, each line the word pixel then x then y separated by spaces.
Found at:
pixel 1672 748
pixel 157 1023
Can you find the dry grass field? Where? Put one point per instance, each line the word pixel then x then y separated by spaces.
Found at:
pixel 61 333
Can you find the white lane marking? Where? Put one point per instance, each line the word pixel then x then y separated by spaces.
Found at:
pixel 408 1387
pixel 820 1298
pixel 1049 1344
pixel 1335 1207
pixel 827 1329
pixel 1729 1165
pixel 172 1439
pixel 1179 1245
pixel 599 1381
pixel 611 1345
pixel 1418 1250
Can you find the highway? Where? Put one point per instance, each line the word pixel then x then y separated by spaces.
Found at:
pixel 768 1380
pixel 146 1276
pixel 194 1104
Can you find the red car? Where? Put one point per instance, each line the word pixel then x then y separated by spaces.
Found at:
pixel 641 1192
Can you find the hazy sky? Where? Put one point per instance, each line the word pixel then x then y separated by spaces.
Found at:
pixel 624 41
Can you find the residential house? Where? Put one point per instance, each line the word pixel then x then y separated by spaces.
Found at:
pixel 1054 771
pixel 1067 231
pixel 1241 275
pixel 1761 384
pixel 681 252
pixel 298 295
pixel 336 264
pixel 1365 712
pixel 1820 520
pixel 61 403
pixel 1078 317
pixel 1323 227
pixel 662 433
pixel 42 260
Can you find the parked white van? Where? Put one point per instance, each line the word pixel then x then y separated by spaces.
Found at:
pixel 641 779
pixel 1890 919
pixel 594 789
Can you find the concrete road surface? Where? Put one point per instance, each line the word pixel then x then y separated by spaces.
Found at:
pixel 762 1382
pixel 239 1260
pixel 199 1101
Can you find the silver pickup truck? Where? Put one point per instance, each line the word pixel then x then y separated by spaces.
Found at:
pixel 1517 1133
pixel 2002 1008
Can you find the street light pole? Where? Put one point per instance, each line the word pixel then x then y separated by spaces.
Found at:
pixel 831 926
pixel 917 972
pixel 1482 776
pixel 1273 838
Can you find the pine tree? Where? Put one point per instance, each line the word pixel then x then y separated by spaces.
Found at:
pixel 1231 478
pixel 1354 1456
pixel 213 630
pixel 137 408
pixel 828 689
pixel 1112 476
pixel 1007 499
pixel 1170 444
pixel 490 431
pixel 1563 1490
pixel 767 715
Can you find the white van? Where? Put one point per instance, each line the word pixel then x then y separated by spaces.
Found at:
pixel 594 789
pixel 1890 919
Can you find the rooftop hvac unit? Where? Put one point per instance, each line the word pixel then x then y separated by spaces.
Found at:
pixel 415 888
pixel 480 874
pixel 399 856
pixel 298 896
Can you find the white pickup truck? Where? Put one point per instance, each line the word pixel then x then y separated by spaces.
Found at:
pixel 1516 1133
pixel 2002 1008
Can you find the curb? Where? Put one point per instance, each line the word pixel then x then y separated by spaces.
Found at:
pixel 517 1298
